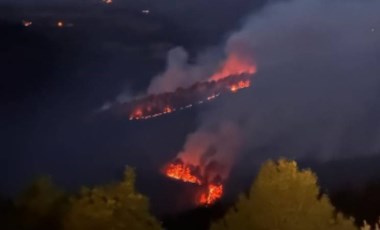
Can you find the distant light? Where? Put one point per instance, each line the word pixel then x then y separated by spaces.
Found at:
pixel 373 30
pixel 27 23
pixel 107 1
pixel 60 24
pixel 145 11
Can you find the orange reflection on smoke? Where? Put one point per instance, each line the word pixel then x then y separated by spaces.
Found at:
pixel 234 65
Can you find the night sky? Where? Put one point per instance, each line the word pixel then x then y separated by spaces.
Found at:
pixel 316 97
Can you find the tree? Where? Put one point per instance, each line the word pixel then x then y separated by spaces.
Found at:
pixel 40 206
pixel 283 197
pixel 366 226
pixel 117 206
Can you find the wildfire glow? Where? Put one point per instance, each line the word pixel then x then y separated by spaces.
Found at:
pixel 137 114
pixel 27 23
pixel 214 192
pixel 235 74
pixel 240 85
pixel 168 109
pixel 181 172
pixel 60 24
pixel 234 65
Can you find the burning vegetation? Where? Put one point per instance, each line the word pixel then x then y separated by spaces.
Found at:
pixel 211 190
pixel 205 160
pixel 165 103
pixel 161 104
pixel 234 74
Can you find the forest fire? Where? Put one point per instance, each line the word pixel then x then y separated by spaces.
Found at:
pixel 240 85
pixel 161 104
pixel 211 192
pixel 234 65
pixel 180 171
pixel 235 74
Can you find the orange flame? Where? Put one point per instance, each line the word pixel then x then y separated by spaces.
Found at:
pixel 234 65
pixel 231 77
pixel 137 114
pixel 240 85
pixel 213 193
pixel 168 109
pixel 181 172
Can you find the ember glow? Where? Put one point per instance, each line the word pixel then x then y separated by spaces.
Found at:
pixel 60 24
pixel 157 105
pixel 211 192
pixel 240 85
pixel 234 75
pixel 27 23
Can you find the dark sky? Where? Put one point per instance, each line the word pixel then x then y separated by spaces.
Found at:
pixel 54 79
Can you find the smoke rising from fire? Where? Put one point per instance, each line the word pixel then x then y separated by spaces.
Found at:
pixel 316 92
pixel 208 67
pixel 212 149
pixel 179 72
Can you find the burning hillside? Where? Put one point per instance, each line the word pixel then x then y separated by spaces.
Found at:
pixel 156 105
pixel 211 190
pixel 233 75
pixel 206 160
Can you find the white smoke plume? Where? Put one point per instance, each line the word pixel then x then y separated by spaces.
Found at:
pixel 213 148
pixel 180 73
pixel 317 89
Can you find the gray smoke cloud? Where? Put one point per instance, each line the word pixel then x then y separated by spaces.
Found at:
pixel 181 73
pixel 316 91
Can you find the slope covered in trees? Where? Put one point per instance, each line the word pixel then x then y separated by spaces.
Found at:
pixel 282 197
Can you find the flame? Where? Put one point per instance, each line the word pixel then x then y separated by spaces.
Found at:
pixel 183 172
pixel 27 23
pixel 234 75
pixel 240 85
pixel 234 65
pixel 214 192
pixel 179 171
pixel 136 115
pixel 168 109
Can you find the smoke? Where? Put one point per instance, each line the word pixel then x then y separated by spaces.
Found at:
pixel 213 148
pixel 180 73
pixel 316 92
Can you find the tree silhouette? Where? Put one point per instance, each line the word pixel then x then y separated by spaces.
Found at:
pixel 283 197
pixel 40 206
pixel 117 206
